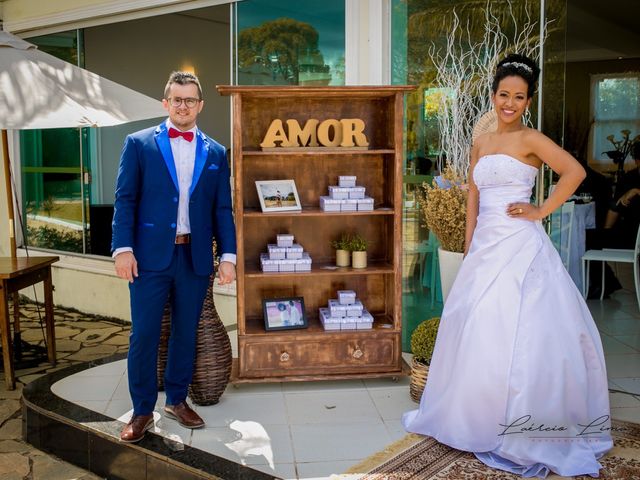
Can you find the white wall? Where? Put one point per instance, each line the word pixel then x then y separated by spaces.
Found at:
pixel 140 55
pixel 367 42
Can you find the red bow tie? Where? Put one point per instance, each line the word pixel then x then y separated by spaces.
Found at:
pixel 173 133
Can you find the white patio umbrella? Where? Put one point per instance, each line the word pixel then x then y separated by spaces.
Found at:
pixel 38 90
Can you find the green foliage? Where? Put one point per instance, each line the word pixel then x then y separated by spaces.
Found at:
pixel 277 45
pixel 358 243
pixel 423 339
pixel 343 243
pixel 54 239
pixel 48 205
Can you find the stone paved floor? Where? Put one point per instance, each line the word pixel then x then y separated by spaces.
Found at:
pixel 79 338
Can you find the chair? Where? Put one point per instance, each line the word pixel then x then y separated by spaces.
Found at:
pixel 562 230
pixel 612 255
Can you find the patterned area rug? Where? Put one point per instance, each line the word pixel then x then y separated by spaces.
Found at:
pixel 423 458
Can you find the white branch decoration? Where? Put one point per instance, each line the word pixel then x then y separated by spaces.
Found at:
pixel 465 69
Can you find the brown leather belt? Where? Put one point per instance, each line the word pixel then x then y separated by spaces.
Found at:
pixel 183 238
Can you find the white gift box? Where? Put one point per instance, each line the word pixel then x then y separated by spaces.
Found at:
pixel 364 326
pixel 355 309
pixel 346 297
pixel 328 322
pixel 365 203
pixel 325 317
pixel 294 251
pixel 276 252
pixel 347 181
pixel 328 204
pixel 350 205
pixel 331 326
pixel 287 265
pixel 284 240
pixel 356 192
pixel 365 317
pixel 269 265
pixel 336 309
pixel 303 264
pixel 348 326
pixel 338 193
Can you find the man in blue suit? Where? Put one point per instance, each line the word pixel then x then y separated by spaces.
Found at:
pixel 173 197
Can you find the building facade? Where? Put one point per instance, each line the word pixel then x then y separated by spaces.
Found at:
pixel 65 178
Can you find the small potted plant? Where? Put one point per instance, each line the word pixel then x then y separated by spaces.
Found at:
pixel 423 339
pixel 343 250
pixel 358 249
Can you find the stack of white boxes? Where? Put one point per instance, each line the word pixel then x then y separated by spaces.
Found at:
pixel 346 197
pixel 346 313
pixel 285 256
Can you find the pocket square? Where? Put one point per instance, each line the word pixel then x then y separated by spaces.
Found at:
pixel 213 166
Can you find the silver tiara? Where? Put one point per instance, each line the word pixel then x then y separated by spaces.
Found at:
pixel 518 65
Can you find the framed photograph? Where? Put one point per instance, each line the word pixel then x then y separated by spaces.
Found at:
pixel 278 195
pixel 284 313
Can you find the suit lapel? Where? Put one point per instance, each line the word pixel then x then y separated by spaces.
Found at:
pixel 162 140
pixel 202 152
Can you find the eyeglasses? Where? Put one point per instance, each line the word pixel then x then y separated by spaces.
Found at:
pixel 190 102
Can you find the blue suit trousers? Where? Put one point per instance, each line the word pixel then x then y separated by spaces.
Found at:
pixel 149 294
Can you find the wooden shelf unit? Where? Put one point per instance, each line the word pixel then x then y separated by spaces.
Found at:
pixel 313 353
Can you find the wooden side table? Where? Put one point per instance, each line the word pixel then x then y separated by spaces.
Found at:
pixel 16 274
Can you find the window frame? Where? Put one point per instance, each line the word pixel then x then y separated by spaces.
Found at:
pixel 597 157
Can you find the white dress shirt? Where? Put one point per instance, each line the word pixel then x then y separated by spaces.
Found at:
pixel 184 157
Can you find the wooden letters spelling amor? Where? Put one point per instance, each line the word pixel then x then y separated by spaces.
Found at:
pixel 345 133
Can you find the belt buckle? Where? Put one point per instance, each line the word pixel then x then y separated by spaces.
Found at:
pixel 183 238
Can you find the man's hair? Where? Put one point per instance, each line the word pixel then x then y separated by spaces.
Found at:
pixel 182 78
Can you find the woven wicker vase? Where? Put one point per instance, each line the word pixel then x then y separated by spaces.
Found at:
pixel 419 372
pixel 212 368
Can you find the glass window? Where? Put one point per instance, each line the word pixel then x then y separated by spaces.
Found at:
pixel 418 28
pixel 616 112
pixel 290 42
pixel 54 207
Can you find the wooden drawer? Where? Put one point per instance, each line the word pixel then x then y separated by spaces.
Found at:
pixel 268 358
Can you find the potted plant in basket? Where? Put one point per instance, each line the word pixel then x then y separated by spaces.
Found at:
pixel 358 247
pixel 423 339
pixel 343 250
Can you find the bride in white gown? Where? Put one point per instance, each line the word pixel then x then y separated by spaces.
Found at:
pixel 518 374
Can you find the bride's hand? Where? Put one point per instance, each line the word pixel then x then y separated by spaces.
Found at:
pixel 525 211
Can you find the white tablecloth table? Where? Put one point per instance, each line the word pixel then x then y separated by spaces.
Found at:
pixel 584 217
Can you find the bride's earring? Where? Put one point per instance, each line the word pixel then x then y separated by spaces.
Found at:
pixel 526 118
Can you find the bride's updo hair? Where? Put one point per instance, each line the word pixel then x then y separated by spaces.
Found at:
pixel 520 66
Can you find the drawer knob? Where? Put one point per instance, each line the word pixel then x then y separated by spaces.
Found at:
pixel 284 357
pixel 357 353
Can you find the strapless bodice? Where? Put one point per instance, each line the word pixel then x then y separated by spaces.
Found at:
pixel 502 179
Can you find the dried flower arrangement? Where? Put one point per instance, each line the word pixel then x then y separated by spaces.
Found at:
pixel 444 205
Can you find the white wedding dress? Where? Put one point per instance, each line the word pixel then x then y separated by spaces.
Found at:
pixel 518 374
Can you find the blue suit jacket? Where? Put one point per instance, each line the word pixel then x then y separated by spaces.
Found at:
pixel 146 201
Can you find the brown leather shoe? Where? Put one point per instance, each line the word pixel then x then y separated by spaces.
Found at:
pixel 184 415
pixel 134 430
